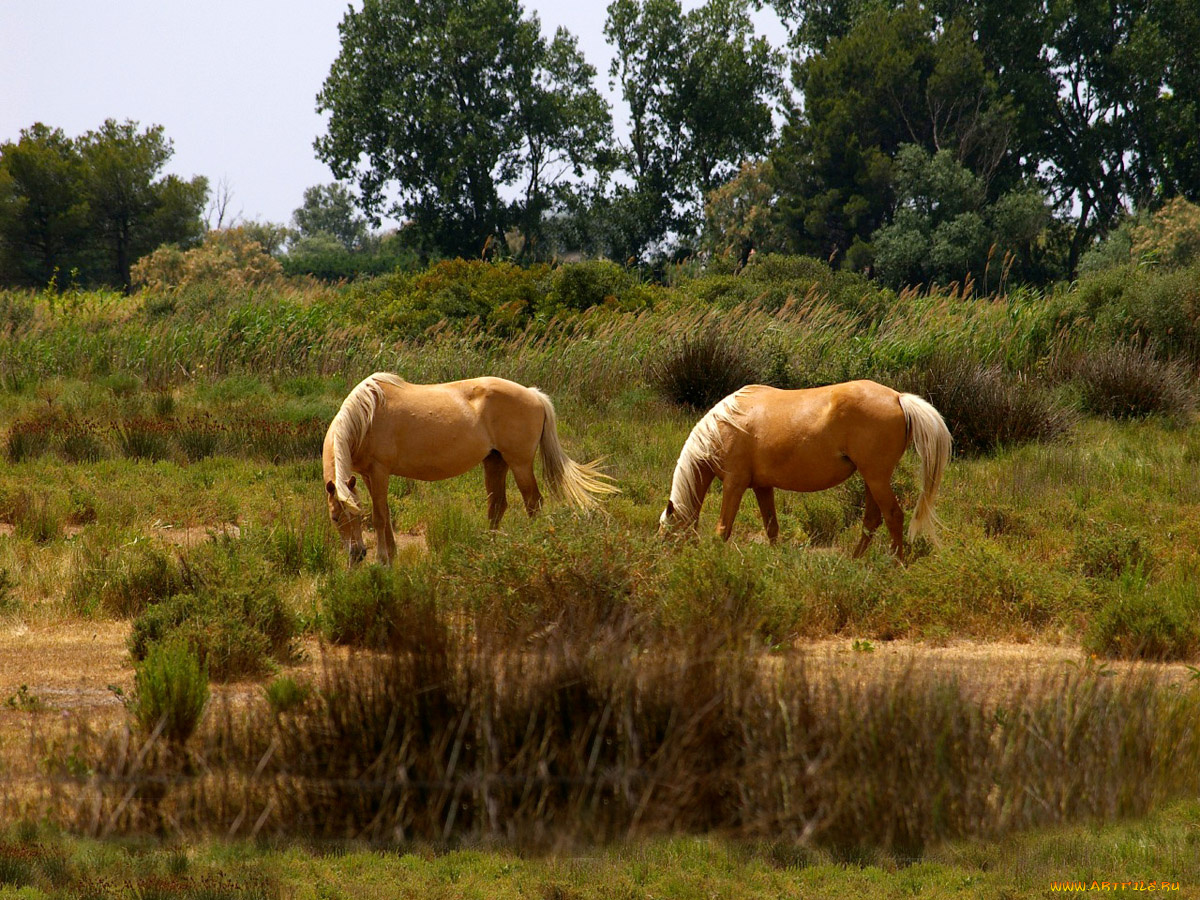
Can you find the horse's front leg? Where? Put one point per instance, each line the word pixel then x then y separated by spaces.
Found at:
pixel 731 500
pixel 381 516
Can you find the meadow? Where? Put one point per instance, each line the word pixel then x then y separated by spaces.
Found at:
pixel 576 683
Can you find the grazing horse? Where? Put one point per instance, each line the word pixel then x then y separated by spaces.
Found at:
pixel 763 438
pixel 387 426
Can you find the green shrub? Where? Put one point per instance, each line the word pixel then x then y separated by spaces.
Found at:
pixel 371 606
pixel 237 631
pixel 171 690
pixel 28 440
pixel 285 694
pixel 580 286
pixel 1108 551
pixel 1157 621
pixel 702 368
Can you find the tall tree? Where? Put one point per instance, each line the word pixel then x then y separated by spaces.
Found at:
pixel 566 130
pixel 700 87
pixel 891 79
pixel 436 99
pixel 43 213
pixel 132 210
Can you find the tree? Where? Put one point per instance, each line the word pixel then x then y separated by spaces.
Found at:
pixel 566 129
pixel 91 205
pixel 447 101
pixel 945 230
pixel 331 210
pixel 700 88
pixel 130 212
pixel 889 80
pixel 1104 94
pixel 740 215
pixel 43 216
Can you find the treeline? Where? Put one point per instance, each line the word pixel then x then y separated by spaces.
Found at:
pixel 919 141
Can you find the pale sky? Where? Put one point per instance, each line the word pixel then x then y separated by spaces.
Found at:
pixel 232 82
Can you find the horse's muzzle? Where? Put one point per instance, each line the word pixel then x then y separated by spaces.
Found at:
pixel 358 552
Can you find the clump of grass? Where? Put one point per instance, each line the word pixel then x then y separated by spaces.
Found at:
pixel 703 367
pixel 171 692
pixel 1157 621
pixel 80 440
pixel 123 583
pixel 984 406
pixel 199 437
pixel 305 544
pixel 36 518
pixel 285 694
pixel 140 437
pixel 1125 381
pixel 28 440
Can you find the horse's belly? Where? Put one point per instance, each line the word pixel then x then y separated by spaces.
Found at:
pixel 803 474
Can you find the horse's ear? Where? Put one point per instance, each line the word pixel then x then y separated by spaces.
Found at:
pixel 670 508
pixel 330 488
pixel 350 484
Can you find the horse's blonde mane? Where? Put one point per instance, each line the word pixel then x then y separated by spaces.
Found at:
pixel 350 425
pixel 704 445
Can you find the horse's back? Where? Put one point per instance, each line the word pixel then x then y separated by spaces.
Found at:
pixel 814 438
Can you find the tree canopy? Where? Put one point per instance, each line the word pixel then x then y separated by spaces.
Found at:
pixel 91 206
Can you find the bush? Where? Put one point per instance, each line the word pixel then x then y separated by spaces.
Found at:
pixel 285 694
pixel 984 407
pixel 171 690
pixel 1157 621
pixel 1130 382
pixel 372 606
pixel 1107 551
pixel 580 286
pixel 702 368
pixel 235 631
pixel 230 257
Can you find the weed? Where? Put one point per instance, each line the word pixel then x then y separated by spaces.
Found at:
pixel 700 369
pixel 171 692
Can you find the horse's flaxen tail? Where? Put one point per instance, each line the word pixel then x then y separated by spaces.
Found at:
pixel 579 483
pixel 931 440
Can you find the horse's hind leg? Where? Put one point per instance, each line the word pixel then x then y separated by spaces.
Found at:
pixel 889 507
pixel 495 474
pixel 872 518
pixel 766 506
pixel 523 475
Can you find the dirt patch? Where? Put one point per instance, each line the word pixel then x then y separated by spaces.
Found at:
pixel 194 535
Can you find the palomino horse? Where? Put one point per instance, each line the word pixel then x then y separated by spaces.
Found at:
pixel 387 426
pixel 763 438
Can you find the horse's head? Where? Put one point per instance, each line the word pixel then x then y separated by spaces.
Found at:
pixel 669 520
pixel 347 517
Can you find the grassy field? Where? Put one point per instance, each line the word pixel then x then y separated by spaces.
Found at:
pixel 160 478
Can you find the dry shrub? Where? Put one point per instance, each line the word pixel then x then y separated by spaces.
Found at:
pixel 985 406
pixel 703 367
pixel 457 735
pixel 1130 382
pixel 230 257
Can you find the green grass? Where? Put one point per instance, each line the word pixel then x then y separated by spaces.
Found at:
pixel 1161 848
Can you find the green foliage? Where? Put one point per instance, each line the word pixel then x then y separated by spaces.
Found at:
pixel 123 583
pixel 329 210
pixel 581 286
pixel 1107 551
pixel 171 692
pixel 1158 621
pixel 373 605
pixel 1171 237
